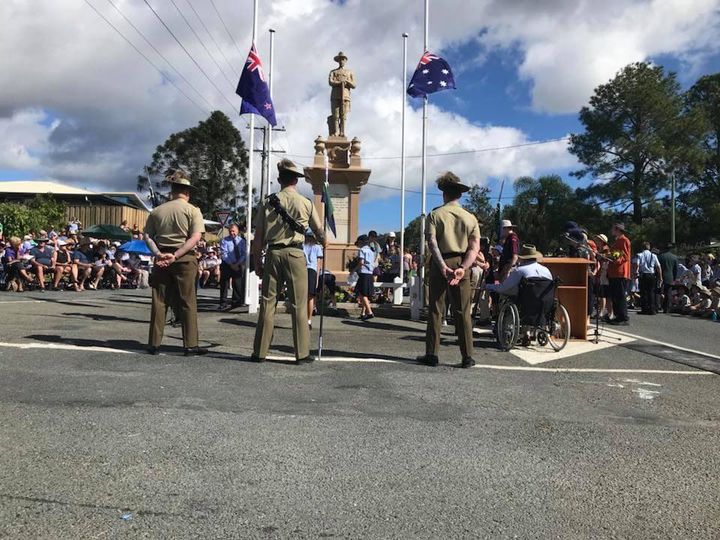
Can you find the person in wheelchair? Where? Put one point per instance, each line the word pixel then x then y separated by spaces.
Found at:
pixel 530 311
pixel 528 267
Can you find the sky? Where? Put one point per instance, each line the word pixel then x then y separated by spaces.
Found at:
pixel 82 106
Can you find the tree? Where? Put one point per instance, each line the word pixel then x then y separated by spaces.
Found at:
pixel 40 212
pixel 215 157
pixel 702 181
pixel 477 202
pixel 542 206
pixel 412 235
pixel 635 135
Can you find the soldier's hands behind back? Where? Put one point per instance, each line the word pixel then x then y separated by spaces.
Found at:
pixel 457 276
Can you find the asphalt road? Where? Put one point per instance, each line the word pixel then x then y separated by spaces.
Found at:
pixel 98 440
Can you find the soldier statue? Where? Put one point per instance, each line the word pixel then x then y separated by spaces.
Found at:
pixel 342 80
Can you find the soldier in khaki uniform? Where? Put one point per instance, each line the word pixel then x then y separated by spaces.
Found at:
pixel 282 237
pixel 171 232
pixel 453 237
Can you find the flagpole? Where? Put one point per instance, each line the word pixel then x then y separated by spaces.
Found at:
pixel 270 128
pixel 251 159
pixel 402 161
pixel 322 276
pixel 423 209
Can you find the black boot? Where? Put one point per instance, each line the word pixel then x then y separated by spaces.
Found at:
pixel 428 360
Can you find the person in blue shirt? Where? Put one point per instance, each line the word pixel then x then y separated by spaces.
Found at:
pixel 313 252
pixel 364 288
pixel 81 266
pixel 232 267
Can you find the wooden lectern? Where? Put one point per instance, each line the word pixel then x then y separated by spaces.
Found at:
pixel 572 290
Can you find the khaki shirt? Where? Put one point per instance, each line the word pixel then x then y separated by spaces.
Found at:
pixel 341 92
pixel 452 226
pixel 276 231
pixel 172 223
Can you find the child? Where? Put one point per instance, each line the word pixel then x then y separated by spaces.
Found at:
pixel 365 284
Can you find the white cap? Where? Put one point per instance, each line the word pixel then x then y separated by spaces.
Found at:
pixel 506 223
pixel 392 234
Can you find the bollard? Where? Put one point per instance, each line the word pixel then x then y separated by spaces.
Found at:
pixel 415 284
pixel 254 300
pixel 398 292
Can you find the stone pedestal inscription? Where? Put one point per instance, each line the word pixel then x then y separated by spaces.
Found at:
pixel 340 196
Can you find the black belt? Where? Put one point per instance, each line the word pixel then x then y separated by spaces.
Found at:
pixel 273 247
pixel 450 255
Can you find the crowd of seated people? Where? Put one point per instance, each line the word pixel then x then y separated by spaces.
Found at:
pixel 696 292
pixel 68 261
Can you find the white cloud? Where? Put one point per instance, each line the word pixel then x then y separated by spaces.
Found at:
pixel 84 107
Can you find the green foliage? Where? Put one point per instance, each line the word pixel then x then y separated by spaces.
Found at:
pixel 635 135
pixel 412 235
pixel 477 202
pixel 42 212
pixel 46 212
pixel 542 206
pixel 16 219
pixel 215 157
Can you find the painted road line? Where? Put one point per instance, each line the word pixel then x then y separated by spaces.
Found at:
pixel 666 344
pixel 63 347
pixel 21 302
pixel 346 359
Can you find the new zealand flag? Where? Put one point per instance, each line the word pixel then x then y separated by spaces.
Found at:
pixel 432 74
pixel 254 91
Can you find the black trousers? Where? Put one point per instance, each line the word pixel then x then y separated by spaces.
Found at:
pixel 666 297
pixel 618 296
pixel 238 283
pixel 648 282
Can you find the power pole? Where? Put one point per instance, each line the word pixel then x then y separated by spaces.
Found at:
pixel 265 154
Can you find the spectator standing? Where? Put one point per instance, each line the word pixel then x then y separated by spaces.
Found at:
pixel 619 275
pixel 365 285
pixel 313 252
pixel 124 225
pixel 73 226
pixel 603 284
pixel 670 273
pixel 511 248
pixel 389 243
pixel 649 278
pixel 375 246
pixel 232 267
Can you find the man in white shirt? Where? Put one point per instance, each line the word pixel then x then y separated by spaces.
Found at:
pixel 528 267
pixel 649 278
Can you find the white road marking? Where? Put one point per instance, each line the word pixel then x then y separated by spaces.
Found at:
pixel 347 359
pixel 636 381
pixel 665 344
pixel 644 393
pixel 63 347
pixel 21 302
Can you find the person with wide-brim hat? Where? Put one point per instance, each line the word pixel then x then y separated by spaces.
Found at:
pixel 280 226
pixel 529 266
pixel 341 81
pixel 511 246
pixel 453 237
pixel 172 231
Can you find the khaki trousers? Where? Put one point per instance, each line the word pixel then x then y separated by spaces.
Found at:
pixel 285 265
pixel 460 302
pixel 174 286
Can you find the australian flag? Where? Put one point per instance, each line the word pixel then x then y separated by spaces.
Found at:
pixel 432 74
pixel 253 89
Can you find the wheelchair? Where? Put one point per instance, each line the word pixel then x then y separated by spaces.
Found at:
pixel 534 314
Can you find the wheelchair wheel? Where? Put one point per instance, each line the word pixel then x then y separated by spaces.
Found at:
pixel 507 329
pixel 559 333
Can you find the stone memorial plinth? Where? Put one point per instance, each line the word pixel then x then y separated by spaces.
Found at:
pixel 346 176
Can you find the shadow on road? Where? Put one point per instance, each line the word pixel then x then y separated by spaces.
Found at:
pixel 99 317
pixel 372 324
